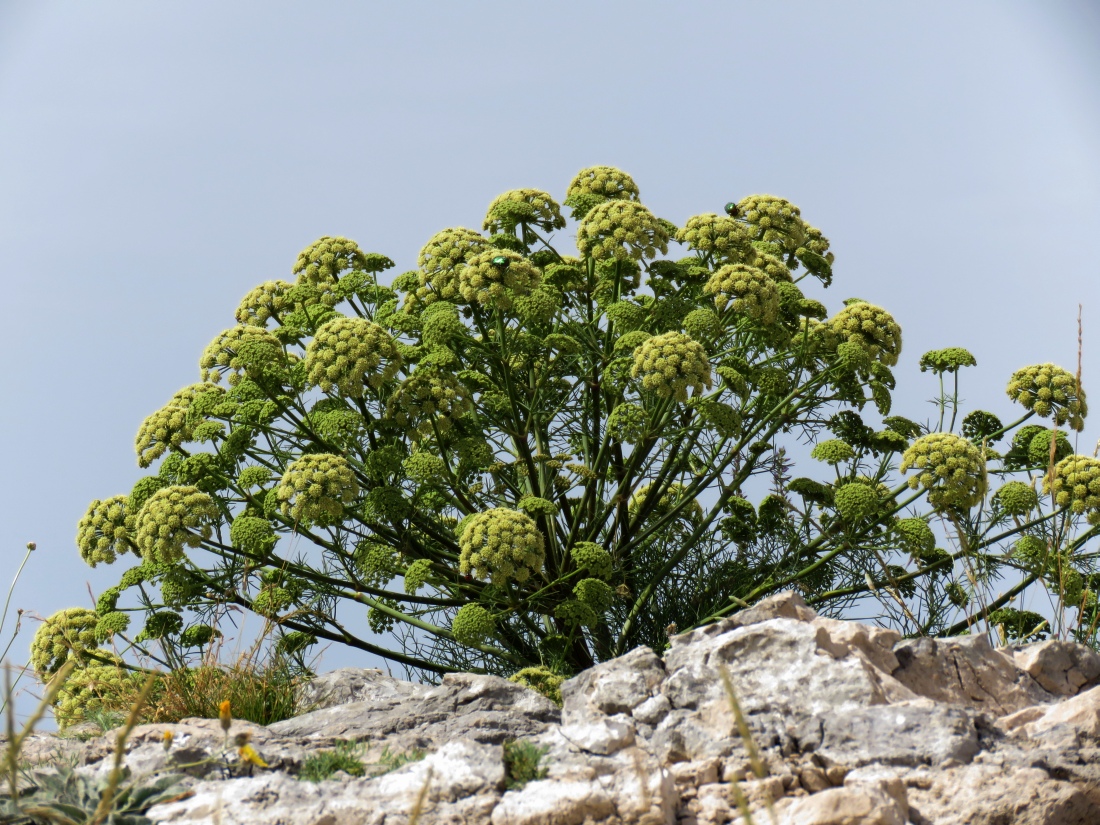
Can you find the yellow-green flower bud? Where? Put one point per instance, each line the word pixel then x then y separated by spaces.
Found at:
pixel 775 221
pixel 429 395
pixel 605 181
pixel 348 351
pixel 855 501
pixel 747 290
pixel 441 258
pixel 702 324
pixel 541 680
pixel 111 623
pixel 440 324
pixel 103 533
pixel 472 624
pixel 67 634
pixel 871 327
pixel 535 506
pixel 253 477
pixel 1076 485
pixel 326 258
pixel 171 425
pixel 530 206
pixel 671 364
pixel 722 236
pixel 576 612
pixel 916 537
pixel 238 350
pixel 595 593
pixel 416 574
pixel 253 534
pixel 621 230
pixel 952 469
pixel 588 555
pixel 834 451
pixel 96 688
pixel 487 281
pixel 1016 498
pixel 173 518
pixel 268 300
pixel 950 360
pixel 317 487
pixel 1049 390
pixel 1038 448
pixel 769 264
pixel 670 497
pixel 501 545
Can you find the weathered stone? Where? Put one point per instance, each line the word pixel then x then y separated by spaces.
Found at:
pixel 913 733
pixel 483 708
pixel 1062 668
pixel 851 725
pixel 966 671
pixel 841 806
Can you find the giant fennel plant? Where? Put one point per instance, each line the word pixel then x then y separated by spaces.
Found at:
pixel 521 459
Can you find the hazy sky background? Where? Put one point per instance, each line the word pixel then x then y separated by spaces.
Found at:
pixel 157 160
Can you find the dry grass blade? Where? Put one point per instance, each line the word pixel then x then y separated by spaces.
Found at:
pixel 418 806
pixel 103 810
pixel 758 766
pixel 15 742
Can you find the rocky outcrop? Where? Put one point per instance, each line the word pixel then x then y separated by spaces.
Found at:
pixel 850 724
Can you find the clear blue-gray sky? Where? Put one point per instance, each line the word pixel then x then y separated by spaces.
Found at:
pixel 157 160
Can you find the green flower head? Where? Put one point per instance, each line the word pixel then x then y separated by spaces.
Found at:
pixel 834 451
pixel 173 518
pixel 523 206
pixel 91 689
pixel 671 364
pixel 496 277
pixel 723 237
pixel 871 327
pixel 253 534
pixel 111 623
pixel 67 634
pixel 429 396
pixel 1016 498
pixel 326 258
pixel 595 593
pixel 237 351
pixel 1049 391
pixel 952 470
pixel 416 574
pixel 670 497
pixel 1038 448
pixel 317 487
pixel 915 537
pixel 268 300
pixel 1076 485
pixel 588 555
pixel 348 352
pixel 856 501
pixel 769 264
pixel 746 290
pixel 103 533
pixel 621 230
pixel 779 222
pixel 441 258
pixel 950 360
pixel 472 624
pixel 501 545
pixel 171 425
pixel 597 184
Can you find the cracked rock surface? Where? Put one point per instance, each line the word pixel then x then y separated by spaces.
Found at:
pixel 853 725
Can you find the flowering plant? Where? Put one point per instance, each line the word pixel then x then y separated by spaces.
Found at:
pixel 513 458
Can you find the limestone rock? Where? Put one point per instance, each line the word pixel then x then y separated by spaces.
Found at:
pixel 852 724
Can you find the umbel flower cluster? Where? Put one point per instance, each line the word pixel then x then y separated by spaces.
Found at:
pixel 523 459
